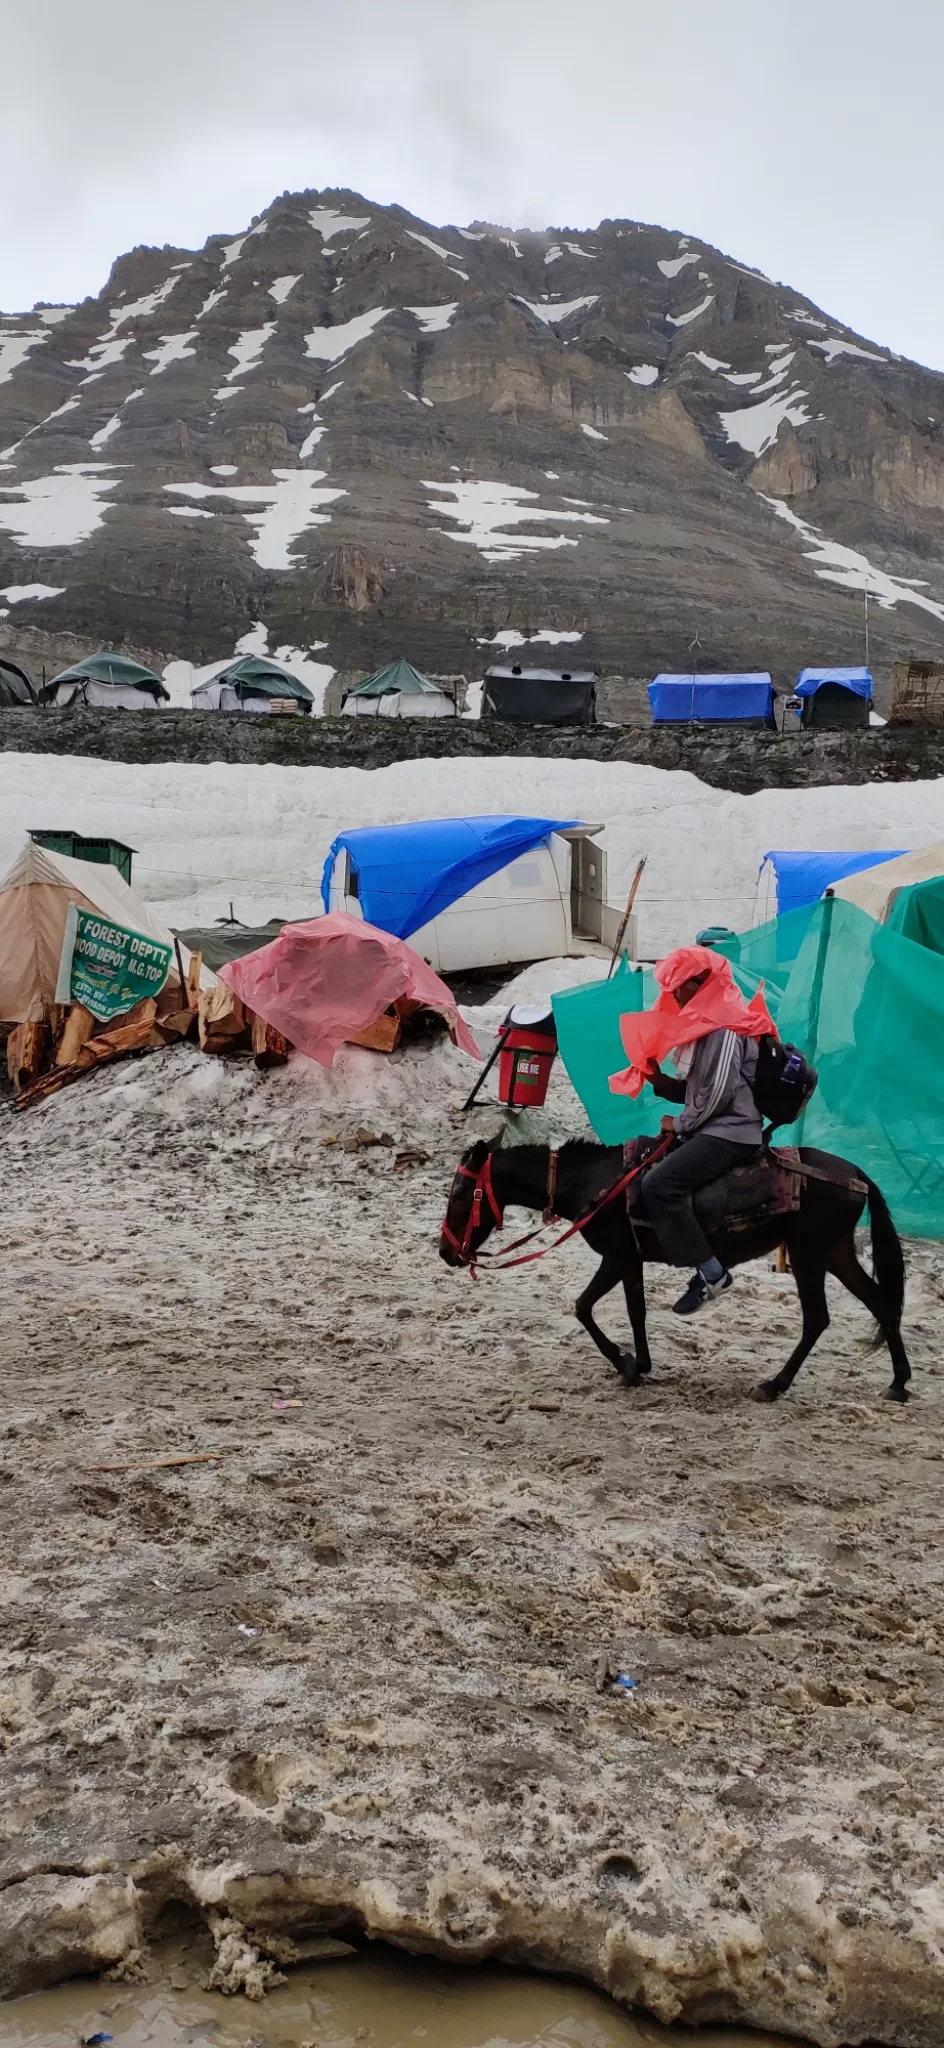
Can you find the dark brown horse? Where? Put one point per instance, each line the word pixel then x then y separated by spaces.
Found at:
pixel 819 1237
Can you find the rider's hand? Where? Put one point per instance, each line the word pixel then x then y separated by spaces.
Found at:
pixel 667 1125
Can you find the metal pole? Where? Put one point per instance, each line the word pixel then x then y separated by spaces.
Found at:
pixel 866 624
pixel 486 1070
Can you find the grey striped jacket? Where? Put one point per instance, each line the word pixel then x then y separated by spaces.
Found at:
pixel 718 1098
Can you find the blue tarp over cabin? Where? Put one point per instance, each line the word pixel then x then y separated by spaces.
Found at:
pixel 834 698
pixel 407 874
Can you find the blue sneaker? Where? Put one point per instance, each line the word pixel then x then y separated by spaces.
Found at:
pixel 699 1292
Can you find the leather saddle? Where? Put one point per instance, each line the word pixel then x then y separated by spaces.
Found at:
pixel 767 1186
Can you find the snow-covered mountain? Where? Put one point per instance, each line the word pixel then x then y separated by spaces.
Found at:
pixel 372 436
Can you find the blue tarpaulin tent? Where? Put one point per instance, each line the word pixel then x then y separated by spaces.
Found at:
pixel 407 874
pixel 802 877
pixel 858 680
pixel 677 699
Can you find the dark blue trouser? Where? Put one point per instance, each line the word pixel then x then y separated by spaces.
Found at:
pixel 669 1187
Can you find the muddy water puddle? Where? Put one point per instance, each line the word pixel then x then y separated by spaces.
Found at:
pixel 377 1999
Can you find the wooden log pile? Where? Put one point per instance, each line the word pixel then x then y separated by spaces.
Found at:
pixel 67 1042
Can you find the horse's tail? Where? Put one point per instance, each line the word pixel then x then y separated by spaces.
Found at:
pixel 888 1262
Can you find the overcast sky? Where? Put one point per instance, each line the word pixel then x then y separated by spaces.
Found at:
pixel 804 138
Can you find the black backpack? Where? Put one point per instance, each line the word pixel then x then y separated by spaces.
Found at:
pixel 784 1081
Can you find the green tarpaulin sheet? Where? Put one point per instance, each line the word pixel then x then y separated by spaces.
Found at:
pixel 866 1005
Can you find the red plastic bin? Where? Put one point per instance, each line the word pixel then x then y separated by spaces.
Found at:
pixel 524 1067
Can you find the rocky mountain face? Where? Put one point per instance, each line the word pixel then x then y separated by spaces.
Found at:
pixel 350 434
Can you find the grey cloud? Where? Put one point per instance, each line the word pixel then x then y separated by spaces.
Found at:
pixel 799 138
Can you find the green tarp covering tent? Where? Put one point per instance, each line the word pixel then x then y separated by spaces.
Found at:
pixel 403 692
pixel 106 679
pixel 918 913
pixel 864 1002
pixel 252 683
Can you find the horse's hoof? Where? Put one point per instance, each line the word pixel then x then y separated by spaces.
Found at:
pixel 644 1365
pixel 629 1369
pixel 897 1393
pixel 768 1390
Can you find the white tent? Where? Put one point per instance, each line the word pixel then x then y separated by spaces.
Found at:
pixel 875 889
pixel 34 902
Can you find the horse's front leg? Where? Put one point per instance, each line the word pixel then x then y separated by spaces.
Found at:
pixel 606 1277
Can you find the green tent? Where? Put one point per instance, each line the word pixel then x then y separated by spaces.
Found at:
pixel 255 676
pixel 398 679
pixel 918 913
pixel 113 671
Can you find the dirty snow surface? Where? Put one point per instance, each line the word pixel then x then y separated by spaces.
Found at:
pixel 347 1666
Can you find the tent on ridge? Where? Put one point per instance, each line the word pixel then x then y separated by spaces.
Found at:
pixel 744 699
pixel 540 696
pixel 254 683
pixel 398 691
pixel 834 699
pixel 112 679
pixel 801 878
pixel 34 902
pixel 15 685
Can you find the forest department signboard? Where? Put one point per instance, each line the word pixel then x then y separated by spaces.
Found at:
pixel 107 967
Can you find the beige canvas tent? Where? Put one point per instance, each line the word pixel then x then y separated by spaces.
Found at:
pixel 34 901
pixel 875 889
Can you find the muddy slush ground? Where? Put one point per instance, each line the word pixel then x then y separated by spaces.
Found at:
pixel 344 1676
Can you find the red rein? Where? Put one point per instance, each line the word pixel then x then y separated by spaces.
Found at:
pixel 484 1191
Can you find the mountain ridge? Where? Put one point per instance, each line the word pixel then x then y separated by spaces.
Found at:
pixel 367 434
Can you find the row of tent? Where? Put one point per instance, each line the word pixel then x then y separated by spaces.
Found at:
pixel 838 698
pixel 823 697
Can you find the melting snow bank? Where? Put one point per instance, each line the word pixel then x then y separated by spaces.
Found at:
pixel 345 1670
pixel 259 835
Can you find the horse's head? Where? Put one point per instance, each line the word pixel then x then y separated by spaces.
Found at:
pixel 473 1208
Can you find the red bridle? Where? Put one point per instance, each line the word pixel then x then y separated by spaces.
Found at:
pixel 482 1191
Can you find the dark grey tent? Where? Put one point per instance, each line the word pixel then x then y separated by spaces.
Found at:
pixel 218 944
pixel 15 685
pixel 540 696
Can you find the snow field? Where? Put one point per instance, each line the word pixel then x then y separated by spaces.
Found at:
pixel 259 835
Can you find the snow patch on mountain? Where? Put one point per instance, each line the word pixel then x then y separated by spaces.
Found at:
pixel 173 349
pixel 696 312
pixel 436 248
pixel 807 319
pixel 834 346
pixel 140 309
pixel 671 265
pixel 60 510
pixel 248 352
pixel 51 315
pixel 278 513
pixel 852 570
pixel 486 509
pixel 21 593
pixel 212 299
pixel 281 287
pixel 105 433
pixel 101 356
pixel 755 427
pixel 644 373
pixel 329 344
pixel 16 345
pixel 233 250
pixel 328 223
pixel 593 433
pixel 510 637
pixel 553 316
pixel 434 319
pixel 711 362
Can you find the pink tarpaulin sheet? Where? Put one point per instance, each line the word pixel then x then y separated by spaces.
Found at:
pixel 320 982
pixel 717 1006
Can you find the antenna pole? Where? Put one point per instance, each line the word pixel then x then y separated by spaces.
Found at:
pixel 692 646
pixel 866 623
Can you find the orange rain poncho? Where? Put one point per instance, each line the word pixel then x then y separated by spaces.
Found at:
pixel 717 1006
pixel 320 982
